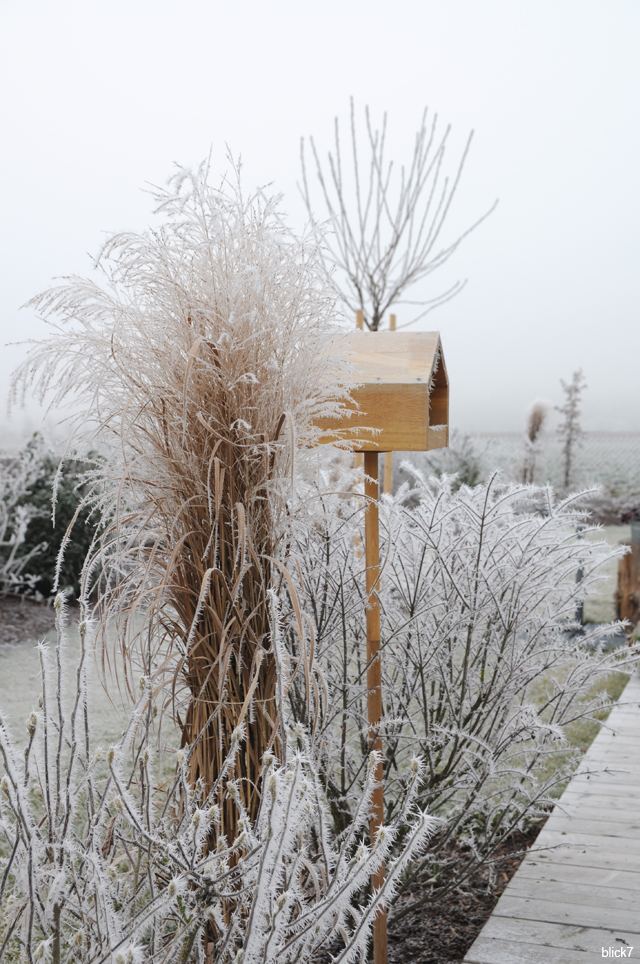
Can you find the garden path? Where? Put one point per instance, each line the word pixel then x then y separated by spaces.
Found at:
pixel 580 901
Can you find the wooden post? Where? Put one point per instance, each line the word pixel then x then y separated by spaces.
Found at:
pixel 374 676
pixel 357 459
pixel 387 487
pixel 628 592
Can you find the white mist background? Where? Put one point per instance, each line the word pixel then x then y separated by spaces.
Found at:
pixel 99 99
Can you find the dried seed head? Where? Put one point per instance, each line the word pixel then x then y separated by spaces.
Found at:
pixel 31 724
pixel 117 804
pixel 267 760
pixel 180 757
pixel 111 752
pixel 142 684
pixel 4 785
pixel 174 888
pixel 381 835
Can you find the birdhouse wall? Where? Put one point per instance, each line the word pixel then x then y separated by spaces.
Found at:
pixel 401 392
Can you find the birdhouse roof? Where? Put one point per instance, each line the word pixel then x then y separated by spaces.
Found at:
pixel 392 357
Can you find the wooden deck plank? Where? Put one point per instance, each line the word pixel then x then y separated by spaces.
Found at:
pixel 615 800
pixel 581 895
pixel 587 811
pixel 622 784
pixel 583 939
pixel 595 842
pixel 598 802
pixel 576 892
pixel 606 826
pixel 593 857
pixel 567 912
pixel 570 873
pixel 487 950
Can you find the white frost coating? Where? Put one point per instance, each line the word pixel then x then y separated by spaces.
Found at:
pixel 131 859
pixel 483 664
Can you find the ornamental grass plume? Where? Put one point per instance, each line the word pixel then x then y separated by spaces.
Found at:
pixel 199 365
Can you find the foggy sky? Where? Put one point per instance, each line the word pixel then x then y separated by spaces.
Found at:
pixel 97 99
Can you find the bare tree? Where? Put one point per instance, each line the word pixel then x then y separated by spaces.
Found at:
pixel 386 235
pixel 570 429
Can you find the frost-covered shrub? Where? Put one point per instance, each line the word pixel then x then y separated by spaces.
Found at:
pixel 41 496
pixel 17 553
pixel 464 460
pixel 102 859
pixel 483 665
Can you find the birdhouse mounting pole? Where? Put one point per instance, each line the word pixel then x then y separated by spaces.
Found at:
pixel 401 389
pixel 374 676
pixel 387 488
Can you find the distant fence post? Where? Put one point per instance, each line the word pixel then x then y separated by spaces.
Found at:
pixel 628 591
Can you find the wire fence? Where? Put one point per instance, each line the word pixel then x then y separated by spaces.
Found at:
pixel 608 460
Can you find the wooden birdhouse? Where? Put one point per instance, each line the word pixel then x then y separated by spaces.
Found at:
pixel 401 389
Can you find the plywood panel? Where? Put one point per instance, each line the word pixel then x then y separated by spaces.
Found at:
pixel 395 357
pixel 398 413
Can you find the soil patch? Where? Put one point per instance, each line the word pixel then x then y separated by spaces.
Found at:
pixel 24 620
pixel 443 932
